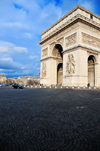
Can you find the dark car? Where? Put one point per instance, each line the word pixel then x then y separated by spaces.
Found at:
pixel 17 85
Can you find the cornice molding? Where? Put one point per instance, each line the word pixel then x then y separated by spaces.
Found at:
pixel 70 12
pixel 51 57
pixel 83 48
pixel 77 18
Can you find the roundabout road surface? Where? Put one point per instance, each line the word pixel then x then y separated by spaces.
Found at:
pixel 49 120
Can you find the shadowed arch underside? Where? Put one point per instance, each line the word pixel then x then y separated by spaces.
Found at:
pixel 91 70
pixel 59 74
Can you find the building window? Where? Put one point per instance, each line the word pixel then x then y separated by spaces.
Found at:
pixel 91 16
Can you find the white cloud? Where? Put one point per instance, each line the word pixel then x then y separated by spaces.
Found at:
pixel 8 63
pixel 6 44
pixel 14 25
pixel 27 35
pixel 87 4
pixel 20 50
pixel 6 60
pixel 3 49
pixel 33 57
pixel 11 48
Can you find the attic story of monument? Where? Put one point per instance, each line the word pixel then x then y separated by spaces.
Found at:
pixel 70 50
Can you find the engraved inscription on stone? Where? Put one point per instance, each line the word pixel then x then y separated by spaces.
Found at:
pixel 90 40
pixel 45 52
pixel 71 40
pixel 70 65
pixel 44 71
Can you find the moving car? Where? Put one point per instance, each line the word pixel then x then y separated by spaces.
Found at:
pixel 17 85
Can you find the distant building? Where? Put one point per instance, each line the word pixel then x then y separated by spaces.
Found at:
pixel 3 78
pixel 14 79
pixel 22 80
pixel 25 80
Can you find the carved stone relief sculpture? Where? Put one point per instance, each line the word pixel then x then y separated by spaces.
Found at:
pixel 71 40
pixel 70 65
pixel 44 71
pixel 89 28
pixel 90 40
pixel 44 52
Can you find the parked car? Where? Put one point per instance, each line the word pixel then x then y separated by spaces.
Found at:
pixel 6 84
pixel 17 85
pixel 1 85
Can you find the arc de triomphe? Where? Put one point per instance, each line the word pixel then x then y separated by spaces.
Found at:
pixel 70 50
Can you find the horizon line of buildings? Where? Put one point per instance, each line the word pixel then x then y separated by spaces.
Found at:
pixel 22 79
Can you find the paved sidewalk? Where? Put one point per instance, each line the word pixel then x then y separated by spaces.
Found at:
pixel 49 119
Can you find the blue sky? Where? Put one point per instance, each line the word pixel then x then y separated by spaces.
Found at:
pixel 21 24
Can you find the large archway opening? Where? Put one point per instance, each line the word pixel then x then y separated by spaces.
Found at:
pixel 91 70
pixel 57 52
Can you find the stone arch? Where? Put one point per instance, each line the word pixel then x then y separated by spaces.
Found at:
pixel 94 55
pixel 57 51
pixel 91 70
pixel 58 63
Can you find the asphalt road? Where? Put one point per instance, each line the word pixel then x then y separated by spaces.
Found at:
pixel 49 119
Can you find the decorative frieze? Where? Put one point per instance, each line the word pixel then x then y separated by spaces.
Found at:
pixel 70 40
pixel 44 52
pixel 90 28
pixel 70 65
pixel 57 36
pixel 44 70
pixel 90 40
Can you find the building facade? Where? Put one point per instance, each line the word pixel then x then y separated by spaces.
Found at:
pixel 70 50
pixel 3 78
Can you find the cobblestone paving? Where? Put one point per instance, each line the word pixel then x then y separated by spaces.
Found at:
pixel 49 120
